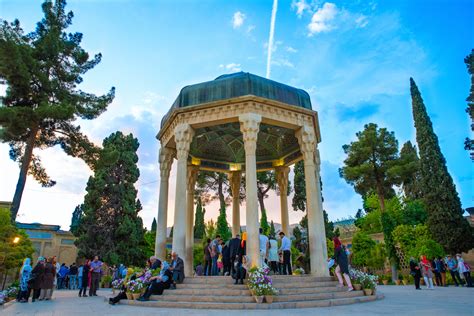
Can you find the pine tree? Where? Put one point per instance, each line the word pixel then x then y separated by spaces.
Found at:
pixel 410 175
pixel 469 61
pixel 76 219
pixel 199 227
pixel 445 215
pixel 110 226
pixel 222 228
pixel 42 71
pixel 264 223
pixel 272 232
pixel 153 225
pixel 328 225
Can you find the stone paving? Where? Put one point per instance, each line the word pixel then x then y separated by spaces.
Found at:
pixel 399 300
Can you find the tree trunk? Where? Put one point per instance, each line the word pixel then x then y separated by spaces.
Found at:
pixel 260 202
pixel 382 208
pixel 220 191
pixel 25 164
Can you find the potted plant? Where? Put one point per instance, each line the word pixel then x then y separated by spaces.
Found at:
pixel 117 285
pixel 134 287
pixel 106 280
pixel 260 284
pixel 399 280
pixel 298 271
pixel 405 280
pixel 368 285
pixel 386 279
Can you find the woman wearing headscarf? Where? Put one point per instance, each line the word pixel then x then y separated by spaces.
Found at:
pixel 47 281
pixel 25 275
pixel 427 272
pixel 85 278
pixel 158 283
pixel 340 257
pixel 37 276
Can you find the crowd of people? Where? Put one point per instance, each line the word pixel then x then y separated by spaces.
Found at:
pixel 434 271
pixel 230 258
pixel 40 281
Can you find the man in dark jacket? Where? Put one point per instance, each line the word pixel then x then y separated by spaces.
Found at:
pixel 177 268
pixel 207 258
pixel 234 246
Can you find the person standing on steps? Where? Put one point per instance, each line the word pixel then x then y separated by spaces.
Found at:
pixel 234 246
pixel 96 270
pixel 207 258
pixel 273 254
pixel 286 250
pixel 263 247
pixel 340 257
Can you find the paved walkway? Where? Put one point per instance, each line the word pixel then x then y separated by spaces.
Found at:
pixel 399 300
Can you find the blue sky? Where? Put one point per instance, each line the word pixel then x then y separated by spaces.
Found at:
pixel 353 57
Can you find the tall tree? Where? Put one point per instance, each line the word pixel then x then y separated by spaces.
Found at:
pixel 76 218
pixel 153 225
pixel 272 229
pixel 410 173
pixel 264 223
pixel 266 181
pixel 222 226
pixel 42 71
pixel 372 162
pixel 469 61
pixel 111 226
pixel 445 215
pixel 299 197
pixel 199 226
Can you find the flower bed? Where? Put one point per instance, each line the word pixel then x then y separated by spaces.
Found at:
pixel 367 281
pixel 8 294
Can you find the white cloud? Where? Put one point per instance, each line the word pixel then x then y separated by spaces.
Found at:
pixel 320 22
pixel 238 19
pixel 290 49
pixel 300 7
pixel 361 21
pixel 234 67
pixel 283 62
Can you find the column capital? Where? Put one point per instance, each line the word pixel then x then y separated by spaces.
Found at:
pixel 249 126
pixel 192 177
pixel 282 178
pixel 166 160
pixel 307 140
pixel 183 136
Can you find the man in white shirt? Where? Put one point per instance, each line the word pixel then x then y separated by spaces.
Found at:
pixel 286 250
pixel 263 247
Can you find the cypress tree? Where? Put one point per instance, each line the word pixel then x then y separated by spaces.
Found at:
pixel 199 226
pixel 299 198
pixel 264 223
pixel 272 229
pixel 153 225
pixel 42 71
pixel 222 228
pixel 445 215
pixel 110 226
pixel 410 175
pixel 76 219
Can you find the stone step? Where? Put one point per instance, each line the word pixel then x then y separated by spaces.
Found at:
pixel 300 284
pixel 172 297
pixel 276 278
pixel 209 292
pixel 317 296
pixel 276 283
pixel 275 305
pixel 310 290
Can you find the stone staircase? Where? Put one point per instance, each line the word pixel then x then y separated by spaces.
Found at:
pixel 220 293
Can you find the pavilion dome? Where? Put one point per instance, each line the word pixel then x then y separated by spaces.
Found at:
pixel 236 85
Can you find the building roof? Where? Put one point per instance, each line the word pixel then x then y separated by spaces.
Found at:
pixel 237 85
pixel 39 226
pixel 345 222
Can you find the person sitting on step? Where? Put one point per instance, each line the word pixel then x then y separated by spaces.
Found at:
pixel 158 283
pixel 177 268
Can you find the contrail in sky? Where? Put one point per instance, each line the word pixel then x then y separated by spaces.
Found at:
pixel 270 38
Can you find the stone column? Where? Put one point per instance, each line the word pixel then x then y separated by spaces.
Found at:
pixel 249 126
pixel 188 256
pixel 316 231
pixel 166 160
pixel 282 180
pixel 183 135
pixel 235 178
